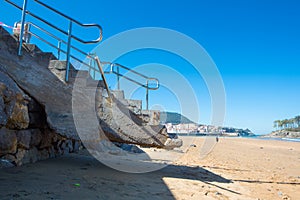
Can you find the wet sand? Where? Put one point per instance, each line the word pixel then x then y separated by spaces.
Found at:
pixel 236 169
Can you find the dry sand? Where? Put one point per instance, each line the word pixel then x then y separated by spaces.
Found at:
pixel 236 169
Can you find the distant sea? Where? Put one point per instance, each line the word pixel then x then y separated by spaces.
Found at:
pixel 272 138
pixel 259 137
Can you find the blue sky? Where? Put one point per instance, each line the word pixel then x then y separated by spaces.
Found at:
pixel 255 45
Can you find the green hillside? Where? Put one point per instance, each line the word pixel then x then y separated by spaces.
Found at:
pixel 174 118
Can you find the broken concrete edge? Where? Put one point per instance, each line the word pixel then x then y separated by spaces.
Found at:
pixel 65 134
pixel 25 136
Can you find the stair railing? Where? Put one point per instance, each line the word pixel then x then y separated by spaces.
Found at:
pixel 115 69
pixel 68 33
pixel 95 64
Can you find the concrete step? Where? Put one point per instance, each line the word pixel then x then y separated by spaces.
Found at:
pixel 132 104
pixel 44 57
pixel 135 106
pixel 58 68
pixel 119 94
pixel 118 122
pixel 31 48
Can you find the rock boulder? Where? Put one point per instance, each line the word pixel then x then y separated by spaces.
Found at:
pixel 8 141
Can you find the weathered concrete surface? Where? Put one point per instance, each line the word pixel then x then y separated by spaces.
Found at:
pixel 118 123
pixel 34 77
pixel 112 120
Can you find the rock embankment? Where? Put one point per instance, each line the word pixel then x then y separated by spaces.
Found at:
pixel 24 134
pixel 284 134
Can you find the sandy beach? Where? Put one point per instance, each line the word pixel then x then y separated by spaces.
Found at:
pixel 237 168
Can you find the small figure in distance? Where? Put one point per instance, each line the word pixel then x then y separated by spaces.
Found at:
pixel 217 139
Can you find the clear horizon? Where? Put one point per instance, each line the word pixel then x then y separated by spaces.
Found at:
pixel 254 44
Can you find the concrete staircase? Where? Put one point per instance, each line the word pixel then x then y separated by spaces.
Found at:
pixel 41 75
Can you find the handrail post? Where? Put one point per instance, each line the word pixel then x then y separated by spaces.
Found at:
pixel 94 71
pixel 118 77
pixel 92 65
pixel 58 49
pixel 22 27
pixel 147 96
pixel 68 50
pixel 103 77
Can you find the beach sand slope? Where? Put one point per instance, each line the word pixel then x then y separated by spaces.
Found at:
pixel 236 169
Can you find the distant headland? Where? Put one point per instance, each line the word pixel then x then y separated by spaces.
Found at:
pixel 286 128
pixel 179 124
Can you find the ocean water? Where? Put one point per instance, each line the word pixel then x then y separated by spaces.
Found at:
pixel 258 137
pixel 279 139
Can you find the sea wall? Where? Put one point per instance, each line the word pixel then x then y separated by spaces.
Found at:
pixel 25 136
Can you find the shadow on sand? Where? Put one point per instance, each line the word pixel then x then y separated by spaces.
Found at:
pixel 272 182
pixel 83 177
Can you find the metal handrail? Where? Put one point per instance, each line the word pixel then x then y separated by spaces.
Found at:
pixel 93 57
pixel 77 22
pixel 148 79
pixel 67 33
pixel 99 39
pixel 146 86
pixel 56 38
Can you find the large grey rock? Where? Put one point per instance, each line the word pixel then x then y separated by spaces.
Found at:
pixel 24 138
pixel 5 164
pixel 13 104
pixel 27 156
pixel 173 143
pixel 48 138
pixel 19 118
pixel 36 137
pixel 3 115
pixel 8 141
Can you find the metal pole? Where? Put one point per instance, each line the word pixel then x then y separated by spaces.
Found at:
pixel 94 67
pixel 68 51
pixel 22 27
pixel 58 49
pixel 103 77
pixel 147 96
pixel 90 64
pixel 118 77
